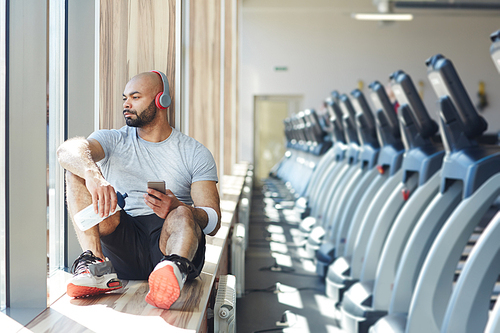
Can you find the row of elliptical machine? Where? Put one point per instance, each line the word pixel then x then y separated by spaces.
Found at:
pixel 379 171
pixel 360 172
pixel 422 299
pixel 382 236
pixel 350 176
pixel 308 138
pixel 398 235
pixel 329 163
pixel 402 203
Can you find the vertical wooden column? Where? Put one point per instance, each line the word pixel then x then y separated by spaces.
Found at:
pixel 204 72
pixel 135 36
pixel 230 85
pixel 236 85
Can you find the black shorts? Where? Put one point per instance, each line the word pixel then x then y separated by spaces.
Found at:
pixel 133 248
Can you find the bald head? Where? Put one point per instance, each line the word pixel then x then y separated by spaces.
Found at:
pixel 148 82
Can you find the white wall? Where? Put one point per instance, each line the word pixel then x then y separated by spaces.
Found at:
pixel 325 49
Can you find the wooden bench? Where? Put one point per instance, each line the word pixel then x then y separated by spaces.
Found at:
pixel 125 310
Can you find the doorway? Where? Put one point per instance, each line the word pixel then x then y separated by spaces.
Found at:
pixel 269 134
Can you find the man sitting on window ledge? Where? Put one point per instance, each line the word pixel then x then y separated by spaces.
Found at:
pixel 157 236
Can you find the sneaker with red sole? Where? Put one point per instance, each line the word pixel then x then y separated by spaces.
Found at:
pixel 92 276
pixel 166 281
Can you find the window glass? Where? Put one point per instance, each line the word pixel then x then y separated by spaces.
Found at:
pixel 55 135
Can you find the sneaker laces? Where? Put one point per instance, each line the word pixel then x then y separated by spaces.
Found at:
pixel 80 265
pixel 185 265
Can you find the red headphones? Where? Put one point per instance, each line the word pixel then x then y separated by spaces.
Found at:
pixel 163 99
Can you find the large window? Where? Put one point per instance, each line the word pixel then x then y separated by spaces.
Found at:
pixel 46 50
pixel 56 103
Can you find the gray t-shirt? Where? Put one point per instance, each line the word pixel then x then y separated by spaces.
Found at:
pixel 130 162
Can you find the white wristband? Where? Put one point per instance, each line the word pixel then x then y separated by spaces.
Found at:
pixel 213 218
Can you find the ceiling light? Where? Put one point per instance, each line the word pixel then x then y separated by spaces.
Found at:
pixel 382 16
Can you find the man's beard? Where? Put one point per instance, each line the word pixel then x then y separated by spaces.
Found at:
pixel 145 118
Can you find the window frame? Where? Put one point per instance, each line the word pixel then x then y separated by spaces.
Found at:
pixel 25 180
pixel 3 86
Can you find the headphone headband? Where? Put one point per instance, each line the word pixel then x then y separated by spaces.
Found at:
pixel 163 99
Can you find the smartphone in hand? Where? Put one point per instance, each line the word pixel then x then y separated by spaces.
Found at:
pixel 158 185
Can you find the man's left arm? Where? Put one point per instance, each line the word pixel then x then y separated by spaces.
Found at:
pixel 204 194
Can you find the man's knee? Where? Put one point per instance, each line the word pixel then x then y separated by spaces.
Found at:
pixel 109 225
pixel 181 213
pixel 182 217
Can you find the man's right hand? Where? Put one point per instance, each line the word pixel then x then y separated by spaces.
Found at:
pixel 103 194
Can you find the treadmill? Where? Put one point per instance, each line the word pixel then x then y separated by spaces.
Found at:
pixel 328 180
pixel 480 273
pixel 346 172
pixel 327 166
pixel 423 156
pixel 420 183
pixel 303 153
pixel 470 175
pixel 389 161
pixel 494 321
pixel 345 204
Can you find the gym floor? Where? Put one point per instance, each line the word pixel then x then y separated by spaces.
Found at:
pixel 283 292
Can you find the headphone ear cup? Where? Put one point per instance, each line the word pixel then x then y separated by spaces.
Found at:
pixel 157 101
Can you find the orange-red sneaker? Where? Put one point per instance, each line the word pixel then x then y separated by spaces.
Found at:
pixel 92 276
pixel 166 281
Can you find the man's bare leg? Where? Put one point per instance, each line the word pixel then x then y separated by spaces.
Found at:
pixel 180 236
pixel 92 275
pixel 78 197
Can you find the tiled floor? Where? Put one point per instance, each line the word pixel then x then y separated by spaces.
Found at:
pixel 274 260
